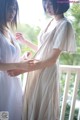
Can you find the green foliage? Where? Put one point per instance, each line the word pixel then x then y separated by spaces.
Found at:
pixel 67 113
pixel 29 33
pixel 75 12
pixel 70 59
pixel 73 59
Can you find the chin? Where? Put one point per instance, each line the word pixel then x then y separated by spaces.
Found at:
pixel 10 20
pixel 51 13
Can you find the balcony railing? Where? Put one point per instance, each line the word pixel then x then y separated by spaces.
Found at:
pixel 68 70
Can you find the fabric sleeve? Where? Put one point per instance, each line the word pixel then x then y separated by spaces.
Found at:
pixel 65 38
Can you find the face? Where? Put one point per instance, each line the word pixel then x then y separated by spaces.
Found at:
pixel 11 12
pixel 49 7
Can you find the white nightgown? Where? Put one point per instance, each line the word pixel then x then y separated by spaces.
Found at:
pixel 41 96
pixel 10 87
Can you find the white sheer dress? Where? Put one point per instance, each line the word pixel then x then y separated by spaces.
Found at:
pixel 41 97
pixel 10 87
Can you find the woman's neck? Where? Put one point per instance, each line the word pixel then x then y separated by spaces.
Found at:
pixel 58 17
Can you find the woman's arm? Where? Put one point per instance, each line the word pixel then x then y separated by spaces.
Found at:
pixel 6 66
pixel 34 65
pixel 31 45
pixel 31 65
pixel 15 72
pixel 20 38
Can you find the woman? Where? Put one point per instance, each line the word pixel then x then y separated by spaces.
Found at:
pixel 41 97
pixel 10 88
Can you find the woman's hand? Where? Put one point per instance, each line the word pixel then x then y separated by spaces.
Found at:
pixel 26 56
pixel 15 72
pixel 20 37
pixel 25 66
pixel 28 65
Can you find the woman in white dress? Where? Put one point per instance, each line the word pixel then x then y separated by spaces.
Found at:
pixel 41 96
pixel 10 87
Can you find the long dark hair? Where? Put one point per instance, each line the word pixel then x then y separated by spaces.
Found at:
pixel 3 13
